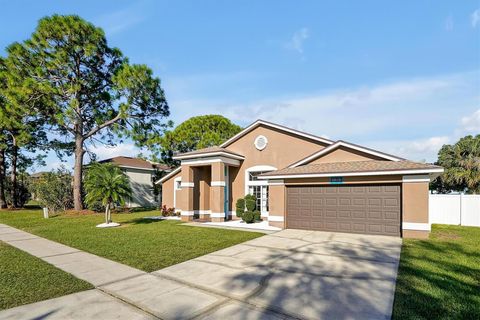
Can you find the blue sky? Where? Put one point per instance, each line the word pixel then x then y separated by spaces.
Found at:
pixel 401 76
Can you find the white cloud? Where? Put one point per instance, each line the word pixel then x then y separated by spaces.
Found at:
pixel 475 18
pixel 298 39
pixel 449 23
pixel 106 152
pixel 427 149
pixel 120 20
pixel 409 117
pixel 416 150
pixel 471 123
pixel 358 111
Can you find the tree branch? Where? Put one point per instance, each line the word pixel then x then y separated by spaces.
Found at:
pixel 103 125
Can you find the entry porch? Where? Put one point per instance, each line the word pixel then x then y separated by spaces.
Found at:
pixel 204 188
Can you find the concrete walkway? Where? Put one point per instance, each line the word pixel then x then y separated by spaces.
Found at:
pixel 291 274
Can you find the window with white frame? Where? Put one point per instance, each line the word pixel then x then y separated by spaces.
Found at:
pixel 258 187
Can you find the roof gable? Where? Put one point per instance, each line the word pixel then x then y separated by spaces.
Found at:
pixel 343 145
pixel 275 126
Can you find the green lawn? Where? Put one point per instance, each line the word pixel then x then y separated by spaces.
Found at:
pixel 439 278
pixel 26 279
pixel 144 244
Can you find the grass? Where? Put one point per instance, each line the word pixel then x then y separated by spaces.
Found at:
pixel 26 279
pixel 439 278
pixel 148 245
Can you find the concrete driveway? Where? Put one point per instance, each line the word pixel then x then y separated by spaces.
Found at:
pixel 298 274
pixel 284 275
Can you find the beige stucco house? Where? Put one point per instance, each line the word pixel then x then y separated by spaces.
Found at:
pixel 141 174
pixel 303 181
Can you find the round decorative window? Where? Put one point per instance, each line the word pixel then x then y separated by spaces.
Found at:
pixel 261 142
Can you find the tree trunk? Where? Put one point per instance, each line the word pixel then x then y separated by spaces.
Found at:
pixel 14 191
pixel 78 173
pixel 3 201
pixel 107 207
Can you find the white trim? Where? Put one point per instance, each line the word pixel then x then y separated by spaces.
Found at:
pixel 205 161
pixel 248 183
pixel 276 126
pixel 187 213
pixel 217 215
pixel 209 154
pixel 187 185
pixel 217 184
pixel 204 212
pixel 416 226
pixel 351 174
pixel 344 144
pixel 265 214
pixel 276 182
pixel 276 218
pixel 175 189
pixel 174 172
pixel 260 148
pixel 416 178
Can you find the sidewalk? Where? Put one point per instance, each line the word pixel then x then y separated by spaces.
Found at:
pixel 121 292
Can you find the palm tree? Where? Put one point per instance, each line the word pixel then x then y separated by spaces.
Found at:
pixel 108 184
pixel 462 165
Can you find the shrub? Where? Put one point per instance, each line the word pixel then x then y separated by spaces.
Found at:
pixel 168 212
pixel 257 216
pixel 240 207
pixel 54 190
pixel 248 217
pixel 250 202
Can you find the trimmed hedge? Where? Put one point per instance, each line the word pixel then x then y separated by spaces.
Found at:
pixel 248 217
pixel 240 207
pixel 250 202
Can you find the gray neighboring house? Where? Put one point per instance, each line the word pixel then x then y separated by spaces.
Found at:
pixel 141 173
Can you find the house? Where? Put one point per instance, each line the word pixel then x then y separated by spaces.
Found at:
pixel 141 174
pixel 303 181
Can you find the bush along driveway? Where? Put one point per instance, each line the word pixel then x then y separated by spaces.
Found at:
pixel 439 278
pixel 144 244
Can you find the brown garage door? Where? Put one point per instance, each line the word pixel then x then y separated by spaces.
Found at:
pixel 371 209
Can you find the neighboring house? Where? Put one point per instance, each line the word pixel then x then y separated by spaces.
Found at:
pixel 141 174
pixel 303 181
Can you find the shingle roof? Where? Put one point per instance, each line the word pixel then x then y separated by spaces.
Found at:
pixel 135 163
pixel 351 167
pixel 208 150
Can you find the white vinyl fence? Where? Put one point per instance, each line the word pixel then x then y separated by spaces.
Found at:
pixel 459 209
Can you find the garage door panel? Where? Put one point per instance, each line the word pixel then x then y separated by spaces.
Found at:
pixel 359 189
pixel 359 214
pixel 359 228
pixel 371 209
pixel 374 202
pixel 392 215
pixel 374 189
pixel 375 214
